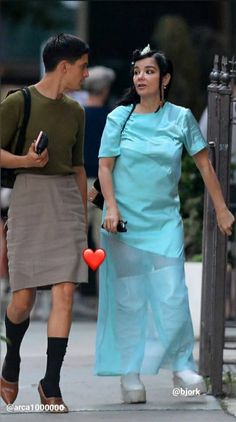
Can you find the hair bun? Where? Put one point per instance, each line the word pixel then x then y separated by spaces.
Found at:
pixel 136 55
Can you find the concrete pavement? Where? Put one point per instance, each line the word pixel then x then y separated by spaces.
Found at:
pixel 92 398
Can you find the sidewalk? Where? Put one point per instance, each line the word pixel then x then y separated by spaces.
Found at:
pixel 97 399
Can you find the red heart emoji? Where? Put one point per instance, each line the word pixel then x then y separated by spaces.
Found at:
pixel 94 258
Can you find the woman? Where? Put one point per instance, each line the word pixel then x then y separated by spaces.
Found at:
pixel 144 321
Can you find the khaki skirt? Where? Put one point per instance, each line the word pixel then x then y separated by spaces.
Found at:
pixel 46 232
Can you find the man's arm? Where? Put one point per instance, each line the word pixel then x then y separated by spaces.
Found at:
pixel 31 159
pixel 81 180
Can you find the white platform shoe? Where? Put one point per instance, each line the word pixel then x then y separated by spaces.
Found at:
pixel 132 389
pixel 190 380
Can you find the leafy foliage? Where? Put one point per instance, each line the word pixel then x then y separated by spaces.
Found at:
pixel 46 15
pixel 192 198
pixel 173 36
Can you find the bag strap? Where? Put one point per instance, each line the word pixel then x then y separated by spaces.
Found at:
pixel 96 183
pixel 27 106
pixel 131 111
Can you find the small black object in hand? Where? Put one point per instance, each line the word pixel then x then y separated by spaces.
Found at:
pixel 98 200
pixel 121 226
pixel 41 143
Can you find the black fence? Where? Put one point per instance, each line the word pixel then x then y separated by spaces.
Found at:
pixel 221 119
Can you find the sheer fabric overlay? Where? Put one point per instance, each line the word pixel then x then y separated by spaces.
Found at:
pixel 144 321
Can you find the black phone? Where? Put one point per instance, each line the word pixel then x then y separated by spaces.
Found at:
pixel 121 226
pixel 41 142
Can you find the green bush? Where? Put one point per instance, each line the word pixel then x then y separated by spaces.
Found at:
pixel 191 190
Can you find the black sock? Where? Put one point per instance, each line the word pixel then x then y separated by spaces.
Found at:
pixel 14 334
pixel 56 352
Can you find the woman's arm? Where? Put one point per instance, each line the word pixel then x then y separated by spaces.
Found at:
pixel 105 177
pixel 225 218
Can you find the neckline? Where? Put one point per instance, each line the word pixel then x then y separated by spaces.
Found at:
pixel 53 100
pixel 152 112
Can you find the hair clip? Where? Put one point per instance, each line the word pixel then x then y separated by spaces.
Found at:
pixel 146 50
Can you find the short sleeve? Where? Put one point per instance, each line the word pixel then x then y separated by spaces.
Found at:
pixel 11 114
pixel 111 137
pixel 192 137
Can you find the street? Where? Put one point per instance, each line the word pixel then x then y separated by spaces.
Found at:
pixel 92 398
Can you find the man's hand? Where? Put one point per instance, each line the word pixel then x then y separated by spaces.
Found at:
pixel 35 160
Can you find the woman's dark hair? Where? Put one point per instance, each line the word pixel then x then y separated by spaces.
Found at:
pixel 63 47
pixel 165 66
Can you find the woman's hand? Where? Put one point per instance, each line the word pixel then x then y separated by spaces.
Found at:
pixel 35 160
pixel 225 220
pixel 111 219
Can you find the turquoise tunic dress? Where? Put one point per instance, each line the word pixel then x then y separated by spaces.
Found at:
pixel 144 321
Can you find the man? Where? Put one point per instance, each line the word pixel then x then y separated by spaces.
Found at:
pixel 47 214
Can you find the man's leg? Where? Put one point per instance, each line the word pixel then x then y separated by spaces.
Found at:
pixel 17 322
pixel 59 324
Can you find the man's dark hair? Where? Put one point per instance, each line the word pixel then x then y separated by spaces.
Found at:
pixel 63 47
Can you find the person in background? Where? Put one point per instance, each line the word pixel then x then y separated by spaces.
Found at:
pixel 144 321
pixel 47 214
pixel 4 275
pixel 97 86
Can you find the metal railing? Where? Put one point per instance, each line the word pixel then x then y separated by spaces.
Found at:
pixel 221 106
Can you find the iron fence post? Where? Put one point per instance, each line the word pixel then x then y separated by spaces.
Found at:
pixel 223 150
pixel 209 224
pixel 214 243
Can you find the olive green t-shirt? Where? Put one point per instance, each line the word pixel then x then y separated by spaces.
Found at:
pixel 63 121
